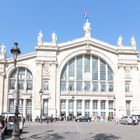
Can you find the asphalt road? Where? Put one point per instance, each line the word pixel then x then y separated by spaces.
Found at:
pixel 79 131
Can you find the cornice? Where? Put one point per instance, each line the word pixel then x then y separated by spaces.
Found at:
pixel 23 57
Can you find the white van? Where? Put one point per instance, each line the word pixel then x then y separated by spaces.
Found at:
pixel 9 117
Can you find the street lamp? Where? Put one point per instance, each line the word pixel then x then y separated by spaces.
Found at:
pixel 114 98
pixel 16 133
pixel 41 92
pixel 73 106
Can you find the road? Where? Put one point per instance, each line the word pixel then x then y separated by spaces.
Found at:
pixel 79 131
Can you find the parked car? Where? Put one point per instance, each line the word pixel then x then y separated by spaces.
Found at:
pixel 126 120
pixel 83 119
pixel 137 117
pixel 9 120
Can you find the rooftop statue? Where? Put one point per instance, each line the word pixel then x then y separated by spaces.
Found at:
pixel 3 50
pixel 39 39
pixel 54 37
pixel 133 42
pixel 120 39
pixel 87 27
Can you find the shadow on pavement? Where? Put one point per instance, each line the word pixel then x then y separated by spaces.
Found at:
pixel 104 137
pixel 9 134
pixel 53 136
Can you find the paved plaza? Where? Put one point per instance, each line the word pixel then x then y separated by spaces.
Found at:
pixel 79 131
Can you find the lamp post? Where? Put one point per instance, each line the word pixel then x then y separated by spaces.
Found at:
pixel 73 107
pixel 114 98
pixel 41 92
pixel 16 134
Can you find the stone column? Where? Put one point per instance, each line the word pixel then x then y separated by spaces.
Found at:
pixel 119 88
pixel 75 107
pixel 134 89
pixel 83 107
pixel 91 108
pixel 67 107
pixel 52 84
pixel 2 92
pixel 24 107
pixel 99 107
pixel 37 87
pixel 107 108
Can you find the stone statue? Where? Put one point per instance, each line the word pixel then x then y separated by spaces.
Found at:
pixel 120 39
pixel 87 27
pixel 133 42
pixel 40 36
pixel 54 37
pixel 3 50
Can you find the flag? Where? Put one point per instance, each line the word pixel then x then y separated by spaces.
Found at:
pixel 85 15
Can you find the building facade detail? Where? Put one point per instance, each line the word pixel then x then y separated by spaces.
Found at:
pixel 84 76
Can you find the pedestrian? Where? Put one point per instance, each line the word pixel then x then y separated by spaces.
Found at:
pixel 2 127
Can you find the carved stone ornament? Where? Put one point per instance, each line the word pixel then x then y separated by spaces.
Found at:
pixel 127 73
pixel 127 70
pixel 46 69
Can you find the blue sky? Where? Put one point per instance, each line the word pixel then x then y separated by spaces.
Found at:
pixel 21 21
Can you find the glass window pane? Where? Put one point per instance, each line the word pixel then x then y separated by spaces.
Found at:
pixel 46 85
pixel 110 104
pixel 29 75
pixel 87 63
pixel 29 107
pixel 95 86
pixel 103 104
pixel 63 104
pixel 110 88
pixel 87 104
pixel 103 86
pixel 79 67
pixel 79 104
pixel 87 86
pixel 79 86
pixel 21 84
pixel 11 105
pixel 110 74
pixel 102 70
pixel 21 73
pixel 94 68
pixel 95 104
pixel 71 86
pixel 71 105
pixel 12 84
pixel 13 75
pixel 63 85
pixel 64 72
pixel 72 69
pixel 29 85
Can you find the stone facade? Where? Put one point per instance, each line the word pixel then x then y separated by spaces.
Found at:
pixel 43 70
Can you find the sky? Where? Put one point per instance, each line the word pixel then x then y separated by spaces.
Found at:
pixel 21 21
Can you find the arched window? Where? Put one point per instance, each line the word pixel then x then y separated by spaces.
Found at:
pixel 46 85
pixel 25 79
pixel 127 86
pixel 86 73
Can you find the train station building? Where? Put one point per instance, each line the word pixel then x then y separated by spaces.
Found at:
pixel 84 76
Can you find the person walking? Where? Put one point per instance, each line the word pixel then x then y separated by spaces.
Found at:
pixel 2 127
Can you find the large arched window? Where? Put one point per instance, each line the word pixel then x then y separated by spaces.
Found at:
pixel 86 73
pixel 25 79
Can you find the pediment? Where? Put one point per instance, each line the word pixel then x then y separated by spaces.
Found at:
pixel 95 43
pixel 92 42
